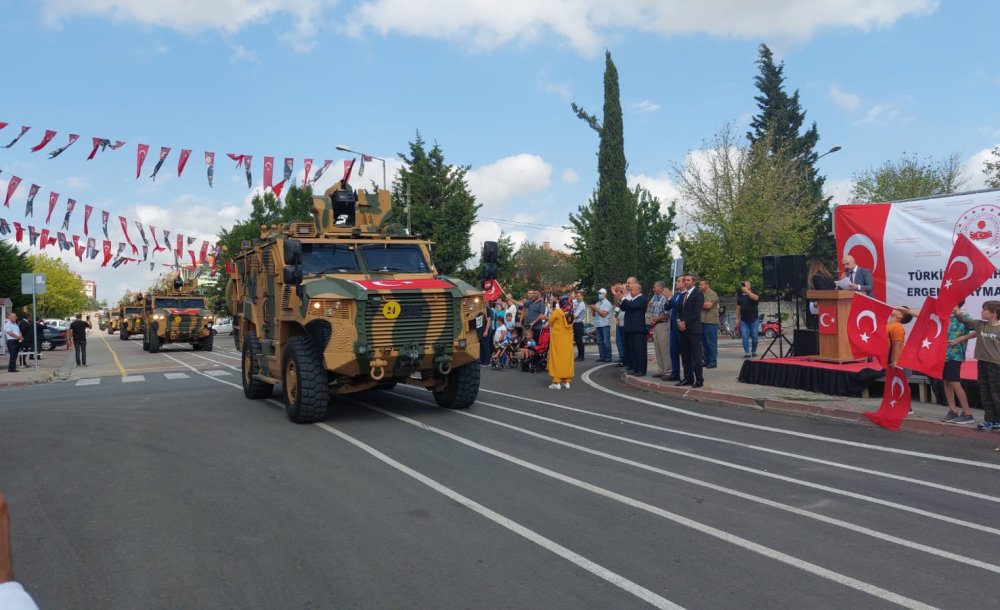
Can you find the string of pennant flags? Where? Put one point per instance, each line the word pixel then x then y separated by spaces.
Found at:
pixel 43 237
pixel 243 161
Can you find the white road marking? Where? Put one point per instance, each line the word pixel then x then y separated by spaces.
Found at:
pixel 708 530
pixel 217 373
pixel 89 381
pixel 133 378
pixel 701 483
pixel 549 545
pixel 177 376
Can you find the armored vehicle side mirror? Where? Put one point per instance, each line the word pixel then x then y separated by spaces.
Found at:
pixel 292 274
pixel 293 253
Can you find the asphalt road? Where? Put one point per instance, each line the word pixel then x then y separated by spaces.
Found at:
pixel 149 481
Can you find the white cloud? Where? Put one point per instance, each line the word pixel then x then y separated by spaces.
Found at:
pixel 228 16
pixel 241 53
pixel 646 106
pixel 560 89
pixel 584 24
pixel 838 190
pixel 844 99
pixel 569 176
pixel 661 186
pixel 497 183
pixel 974 169
pixel 900 110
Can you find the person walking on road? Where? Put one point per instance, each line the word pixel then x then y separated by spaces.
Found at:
pixel 560 343
pixel 12 335
pixel 79 328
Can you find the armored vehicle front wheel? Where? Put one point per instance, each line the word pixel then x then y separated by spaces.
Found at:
pixel 123 335
pixel 463 387
pixel 111 331
pixel 208 343
pixel 253 388
pixel 304 381
pixel 145 340
pixel 154 341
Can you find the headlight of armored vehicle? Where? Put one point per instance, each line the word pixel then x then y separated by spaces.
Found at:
pixel 471 303
pixel 326 307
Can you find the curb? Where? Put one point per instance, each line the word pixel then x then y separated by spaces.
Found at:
pixel 796 408
pixel 62 373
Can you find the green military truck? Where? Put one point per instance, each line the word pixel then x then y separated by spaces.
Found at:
pixel 131 320
pixel 341 304
pixel 114 319
pixel 178 316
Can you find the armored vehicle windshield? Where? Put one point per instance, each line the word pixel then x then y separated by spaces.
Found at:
pixel 328 258
pixel 395 258
pixel 131 310
pixel 180 303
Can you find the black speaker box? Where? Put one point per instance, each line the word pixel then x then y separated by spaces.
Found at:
pixel 784 271
pixel 770 269
pixel 806 342
pixel 491 252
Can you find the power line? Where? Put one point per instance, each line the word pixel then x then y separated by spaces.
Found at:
pixel 528 225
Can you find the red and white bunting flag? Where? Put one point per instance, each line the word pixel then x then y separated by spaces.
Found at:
pixel 49 134
pixel 87 210
pixel 185 153
pixel 118 144
pixel 141 152
pixel 53 199
pixel 326 165
pixel 278 188
pixel 18 232
pixel 491 291
pixel 156 244
pixel 179 250
pixel 44 239
pixel 927 343
pixel 309 166
pixel 895 400
pixel 866 328
pixel 203 256
pixel 238 158
pixel 11 187
pixel 96 144
pixel 268 172
pixel 348 167
pixel 2 124
pixel 967 269
pixel 77 248
pixel 107 253
pixel 366 158
pixel 124 224
pixel 210 163
pixel 55 153
pixel 164 151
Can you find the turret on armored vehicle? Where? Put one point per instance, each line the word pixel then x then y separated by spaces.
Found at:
pixel 180 315
pixel 341 305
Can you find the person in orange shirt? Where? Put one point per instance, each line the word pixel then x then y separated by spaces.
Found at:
pixel 896 332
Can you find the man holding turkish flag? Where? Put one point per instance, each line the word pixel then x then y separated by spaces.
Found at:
pixel 895 400
pixel 967 269
pixel 491 291
pixel 866 328
pixel 927 345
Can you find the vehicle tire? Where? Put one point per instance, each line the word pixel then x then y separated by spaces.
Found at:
pixel 253 388
pixel 123 335
pixel 111 331
pixel 145 341
pixel 154 341
pixel 463 387
pixel 236 339
pixel 770 334
pixel 208 343
pixel 303 381
pixel 46 345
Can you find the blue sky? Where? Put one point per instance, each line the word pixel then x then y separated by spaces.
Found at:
pixel 490 82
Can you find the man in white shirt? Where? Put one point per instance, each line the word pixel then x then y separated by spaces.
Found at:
pixel 579 314
pixel 12 335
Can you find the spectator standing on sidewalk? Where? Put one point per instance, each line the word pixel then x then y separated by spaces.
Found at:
pixel 674 310
pixel 12 335
pixel 952 377
pixel 659 317
pixel 988 355
pixel 534 312
pixel 79 328
pixel 746 315
pixel 689 324
pixel 560 365
pixel 635 327
pixel 619 292
pixel 602 325
pixel 579 313
pixel 709 326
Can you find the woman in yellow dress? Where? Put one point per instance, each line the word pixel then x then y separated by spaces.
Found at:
pixel 560 342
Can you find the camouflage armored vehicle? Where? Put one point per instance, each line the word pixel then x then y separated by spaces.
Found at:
pixel 114 319
pixel 131 321
pixel 177 316
pixel 340 305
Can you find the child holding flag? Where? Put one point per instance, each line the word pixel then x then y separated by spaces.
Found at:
pixel 988 354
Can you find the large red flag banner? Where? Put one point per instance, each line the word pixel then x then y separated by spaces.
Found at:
pixel 927 344
pixel 491 291
pixel 866 328
pixel 895 400
pixel 967 269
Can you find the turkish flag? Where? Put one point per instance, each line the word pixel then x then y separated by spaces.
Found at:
pixel 185 153
pixel 44 239
pixel 860 229
pixel 49 134
pixel 348 166
pixel 53 199
pixel 967 269
pixel 309 165
pixel 141 152
pixel 895 401
pixel 11 187
pixel 268 172
pixel 927 344
pixel 827 320
pixel 866 328
pixel 491 290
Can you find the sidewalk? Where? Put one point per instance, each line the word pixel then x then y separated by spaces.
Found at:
pixel 722 386
pixel 52 366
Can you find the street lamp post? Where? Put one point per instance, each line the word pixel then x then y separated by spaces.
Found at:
pixel 343 148
pixel 832 150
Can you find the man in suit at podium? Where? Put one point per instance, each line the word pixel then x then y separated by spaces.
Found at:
pixel 689 325
pixel 860 279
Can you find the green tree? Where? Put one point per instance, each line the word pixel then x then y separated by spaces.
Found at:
pixel 606 239
pixel 265 208
pixel 992 169
pixel 747 202
pixel 543 268
pixel 779 121
pixel 909 177
pixel 441 207
pixel 656 232
pixel 63 289
pixel 12 264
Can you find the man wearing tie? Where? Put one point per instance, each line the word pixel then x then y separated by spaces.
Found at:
pixel 861 279
pixel 689 325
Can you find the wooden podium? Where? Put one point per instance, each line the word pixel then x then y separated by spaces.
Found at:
pixel 834 345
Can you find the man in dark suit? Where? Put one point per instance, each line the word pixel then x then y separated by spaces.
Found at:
pixel 689 325
pixel 635 327
pixel 861 279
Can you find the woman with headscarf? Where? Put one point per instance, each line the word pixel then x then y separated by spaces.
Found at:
pixel 561 342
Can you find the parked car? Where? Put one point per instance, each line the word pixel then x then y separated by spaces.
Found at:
pixel 223 326
pixel 60 324
pixel 53 337
pixel 589 333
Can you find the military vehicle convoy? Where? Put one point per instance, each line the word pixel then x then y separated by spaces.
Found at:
pixel 177 316
pixel 341 305
pixel 114 319
pixel 130 318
